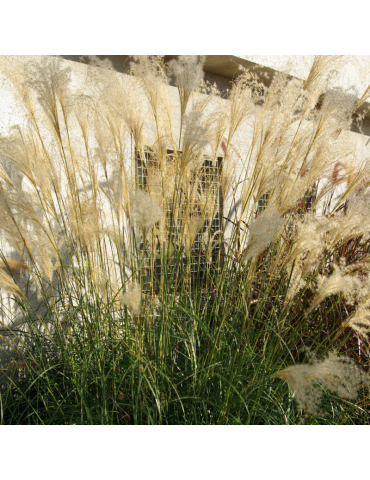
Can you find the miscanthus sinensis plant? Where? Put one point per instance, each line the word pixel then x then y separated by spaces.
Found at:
pixel 127 304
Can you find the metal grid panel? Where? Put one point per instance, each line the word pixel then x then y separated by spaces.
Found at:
pixel 209 175
pixel 262 203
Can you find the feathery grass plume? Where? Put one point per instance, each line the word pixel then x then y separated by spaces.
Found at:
pixel 45 252
pixel 360 321
pixel 244 93
pixel 86 223
pixel 338 281
pixel 340 375
pixel 49 78
pixel 107 281
pixel 133 114
pixel 150 69
pixel 194 139
pixel 100 75
pixel 15 71
pixel 9 286
pixel 218 121
pixel 4 176
pixel 319 77
pixel 262 230
pixel 25 156
pixel 337 109
pixel 210 242
pixel 281 101
pixel 346 280
pixel 310 239
pixel 13 265
pixel 144 210
pixel 116 190
pixel 45 79
pixel 193 227
pixel 356 221
pixel 120 110
pixel 188 73
pixel 132 298
pixel 18 269
pixel 151 74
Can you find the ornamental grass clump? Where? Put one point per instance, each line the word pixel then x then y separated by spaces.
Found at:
pixel 167 249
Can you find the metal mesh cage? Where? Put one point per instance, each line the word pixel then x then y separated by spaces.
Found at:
pixel 205 183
